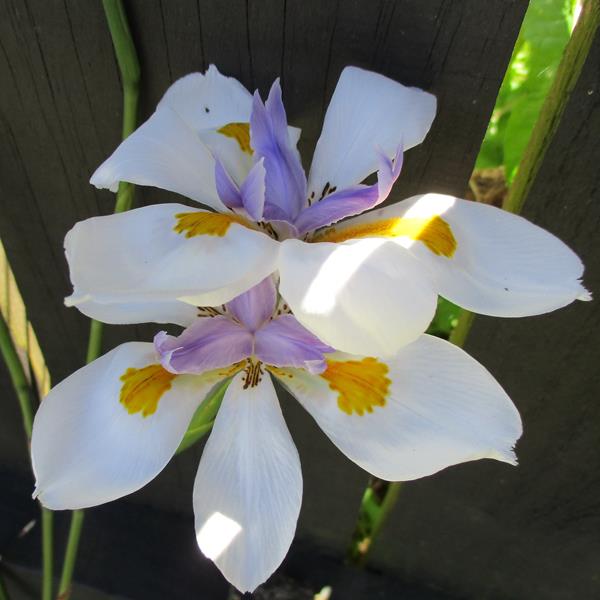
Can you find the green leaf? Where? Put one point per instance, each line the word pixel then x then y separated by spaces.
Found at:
pixel 445 319
pixel 204 417
pixel 543 37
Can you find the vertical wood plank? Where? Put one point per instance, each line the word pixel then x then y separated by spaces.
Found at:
pixel 489 530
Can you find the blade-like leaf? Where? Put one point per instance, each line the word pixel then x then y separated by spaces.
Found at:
pixel 204 417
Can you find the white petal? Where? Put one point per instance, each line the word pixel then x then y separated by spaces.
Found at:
pixel 248 489
pixel 165 153
pixel 87 448
pixel 208 101
pixel 442 408
pixel 361 296
pixel 137 260
pixel 167 311
pixel 367 111
pixel 503 265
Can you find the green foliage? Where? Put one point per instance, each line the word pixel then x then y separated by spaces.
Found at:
pixel 543 37
pixel 204 417
pixel 445 319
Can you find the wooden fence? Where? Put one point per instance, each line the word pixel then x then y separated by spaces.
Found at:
pixel 477 530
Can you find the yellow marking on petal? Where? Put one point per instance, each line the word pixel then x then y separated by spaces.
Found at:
pixel 240 132
pixel 361 384
pixel 207 223
pixel 279 372
pixel 232 370
pixel 143 388
pixel 434 232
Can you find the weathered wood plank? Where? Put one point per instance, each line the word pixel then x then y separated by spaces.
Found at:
pixel 61 117
pixel 489 530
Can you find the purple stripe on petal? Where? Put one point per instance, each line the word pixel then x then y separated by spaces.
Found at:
pixel 226 188
pixel 354 200
pixel 285 178
pixel 210 343
pixel 253 191
pixel 254 307
pixel 283 342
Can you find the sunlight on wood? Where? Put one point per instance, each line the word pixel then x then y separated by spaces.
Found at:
pixel 15 314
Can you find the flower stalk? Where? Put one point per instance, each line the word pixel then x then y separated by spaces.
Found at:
pixel 129 68
pixel 3 591
pixel 25 396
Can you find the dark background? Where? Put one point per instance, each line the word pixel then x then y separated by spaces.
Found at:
pixel 478 530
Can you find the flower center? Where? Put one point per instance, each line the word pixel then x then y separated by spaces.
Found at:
pixel 143 388
pixel 361 384
pixel 253 373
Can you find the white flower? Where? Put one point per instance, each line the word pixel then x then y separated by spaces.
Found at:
pixel 112 426
pixel 373 290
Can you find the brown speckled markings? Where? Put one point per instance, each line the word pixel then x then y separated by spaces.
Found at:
pixel 60 116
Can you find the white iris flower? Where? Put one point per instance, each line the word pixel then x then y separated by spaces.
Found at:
pixel 365 285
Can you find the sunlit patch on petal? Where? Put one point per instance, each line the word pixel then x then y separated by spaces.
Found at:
pixel 433 231
pixel 217 534
pixel 240 132
pixel 143 388
pixel 205 223
pixel 361 384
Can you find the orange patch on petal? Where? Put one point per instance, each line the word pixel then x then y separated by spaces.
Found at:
pixel 434 232
pixel 240 132
pixel 207 223
pixel 361 384
pixel 143 388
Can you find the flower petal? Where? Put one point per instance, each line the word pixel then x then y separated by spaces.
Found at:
pixel 92 444
pixel 165 153
pixel 253 191
pixel 285 179
pixel 208 103
pixel 367 111
pixel 209 343
pixel 361 296
pixel 283 342
pixel 152 311
pixel 353 200
pixel 429 407
pixel 248 489
pixel 482 258
pixel 209 100
pixel 254 307
pixel 162 253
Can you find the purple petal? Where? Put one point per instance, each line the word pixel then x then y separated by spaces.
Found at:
pixel 226 188
pixel 283 342
pixel 353 200
pixel 285 179
pixel 253 191
pixel 254 307
pixel 210 343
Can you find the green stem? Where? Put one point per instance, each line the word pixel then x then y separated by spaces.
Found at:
pixel 94 348
pixel 25 396
pixel 459 334
pixel 3 590
pixel 389 501
pixel 129 68
pixel 64 589
pixel 17 375
pixel 47 553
